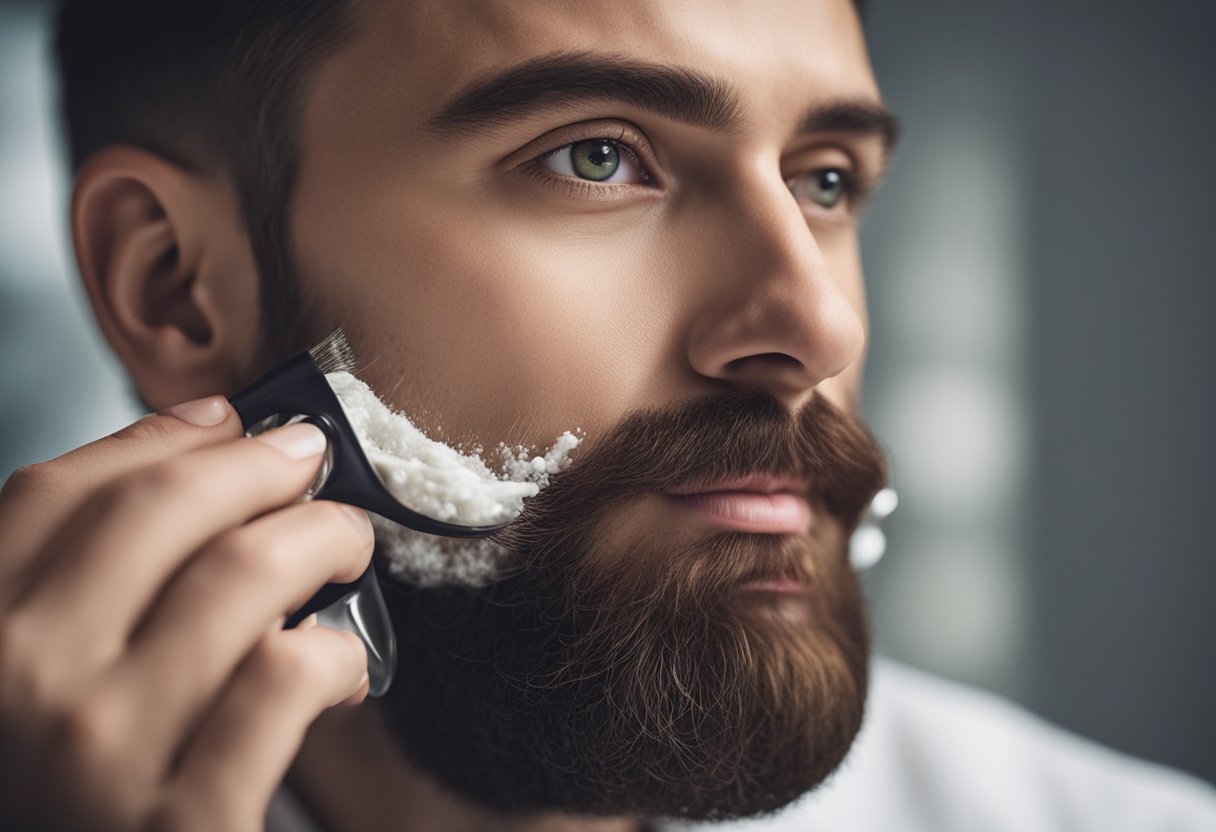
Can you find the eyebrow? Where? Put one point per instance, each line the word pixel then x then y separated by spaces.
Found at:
pixel 860 117
pixel 573 77
pixel 679 93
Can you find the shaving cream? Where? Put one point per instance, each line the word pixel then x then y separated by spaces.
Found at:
pixel 439 481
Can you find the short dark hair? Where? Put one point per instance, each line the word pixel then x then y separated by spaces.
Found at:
pixel 211 85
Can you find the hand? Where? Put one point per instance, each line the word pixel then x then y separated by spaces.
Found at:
pixel 145 680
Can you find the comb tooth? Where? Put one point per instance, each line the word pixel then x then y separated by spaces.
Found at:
pixel 334 355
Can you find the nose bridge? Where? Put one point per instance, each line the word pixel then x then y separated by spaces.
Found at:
pixel 774 231
pixel 775 317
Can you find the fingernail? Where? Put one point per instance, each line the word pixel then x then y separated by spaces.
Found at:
pixel 204 412
pixel 299 441
pixel 360 521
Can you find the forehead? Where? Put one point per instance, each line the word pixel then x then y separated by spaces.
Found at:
pixel 779 53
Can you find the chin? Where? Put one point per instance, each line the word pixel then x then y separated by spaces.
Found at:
pixel 673 684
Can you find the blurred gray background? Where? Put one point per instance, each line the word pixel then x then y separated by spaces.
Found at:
pixel 1041 282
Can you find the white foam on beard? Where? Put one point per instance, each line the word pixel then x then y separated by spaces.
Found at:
pixel 439 481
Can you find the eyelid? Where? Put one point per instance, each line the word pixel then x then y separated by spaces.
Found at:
pixel 858 189
pixel 854 157
pixel 860 181
pixel 629 137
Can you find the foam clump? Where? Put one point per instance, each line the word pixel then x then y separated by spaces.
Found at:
pixel 441 482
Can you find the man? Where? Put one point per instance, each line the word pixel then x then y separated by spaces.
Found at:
pixel 639 220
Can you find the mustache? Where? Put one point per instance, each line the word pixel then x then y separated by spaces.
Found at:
pixel 726 436
pixel 711 438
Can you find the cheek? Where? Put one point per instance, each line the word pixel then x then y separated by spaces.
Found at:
pixel 489 324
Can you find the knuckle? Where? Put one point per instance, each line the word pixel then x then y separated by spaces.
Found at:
pixel 176 810
pixel 250 552
pixel 15 643
pixel 353 551
pixel 151 428
pixel 292 659
pixel 140 489
pixel 284 662
pixel 329 512
pixel 29 480
pixel 171 817
pixel 275 554
pixel 86 732
pixel 131 491
pixel 356 651
pixel 23 680
pixel 167 476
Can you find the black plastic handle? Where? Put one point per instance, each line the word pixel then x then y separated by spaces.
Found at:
pixel 298 387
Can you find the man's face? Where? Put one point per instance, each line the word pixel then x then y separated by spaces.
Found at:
pixel 535 217
pixel 500 300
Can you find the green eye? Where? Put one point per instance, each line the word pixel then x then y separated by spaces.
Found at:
pixel 600 161
pixel 596 159
pixel 825 188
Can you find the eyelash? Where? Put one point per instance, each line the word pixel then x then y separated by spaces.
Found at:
pixel 857 187
pixel 584 188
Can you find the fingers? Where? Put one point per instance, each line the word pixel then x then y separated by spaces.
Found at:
pixel 121 548
pixel 223 601
pixel 135 575
pixel 37 499
pixel 243 748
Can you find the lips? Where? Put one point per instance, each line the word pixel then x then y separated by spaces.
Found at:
pixel 758 503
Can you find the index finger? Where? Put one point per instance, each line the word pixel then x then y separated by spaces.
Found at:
pixel 37 499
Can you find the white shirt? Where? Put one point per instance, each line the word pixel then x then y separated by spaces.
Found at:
pixel 935 756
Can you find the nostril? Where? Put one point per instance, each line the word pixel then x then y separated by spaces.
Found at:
pixel 764 361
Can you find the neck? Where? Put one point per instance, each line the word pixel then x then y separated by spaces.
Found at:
pixel 351 775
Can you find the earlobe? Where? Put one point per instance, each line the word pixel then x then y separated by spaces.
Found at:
pixel 168 271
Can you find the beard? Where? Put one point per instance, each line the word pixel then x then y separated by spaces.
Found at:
pixel 618 669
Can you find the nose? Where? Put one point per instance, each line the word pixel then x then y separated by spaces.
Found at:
pixel 771 316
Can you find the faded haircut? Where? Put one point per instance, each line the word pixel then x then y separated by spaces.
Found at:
pixel 213 86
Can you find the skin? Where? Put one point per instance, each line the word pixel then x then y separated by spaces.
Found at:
pixel 130 710
pixel 592 307
pixel 489 303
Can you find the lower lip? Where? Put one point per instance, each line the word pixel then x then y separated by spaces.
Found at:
pixel 751 511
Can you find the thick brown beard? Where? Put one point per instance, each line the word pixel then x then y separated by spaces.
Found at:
pixel 611 677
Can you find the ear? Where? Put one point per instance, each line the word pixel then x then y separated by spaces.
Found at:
pixel 169 273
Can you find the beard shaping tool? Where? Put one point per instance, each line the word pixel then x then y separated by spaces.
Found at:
pixel 298 390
